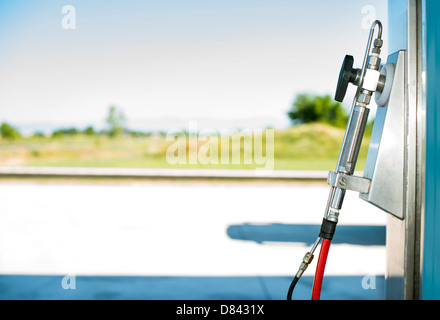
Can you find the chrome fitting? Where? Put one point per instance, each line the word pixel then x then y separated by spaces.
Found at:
pixel 333 215
pixel 374 62
pixel 308 257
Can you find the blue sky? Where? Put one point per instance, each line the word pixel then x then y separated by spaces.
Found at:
pixel 164 63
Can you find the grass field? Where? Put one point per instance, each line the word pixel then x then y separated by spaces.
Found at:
pixel 304 147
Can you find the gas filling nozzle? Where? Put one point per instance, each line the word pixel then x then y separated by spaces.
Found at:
pixel 368 79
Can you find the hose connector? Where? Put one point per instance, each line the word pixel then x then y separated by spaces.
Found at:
pixel 328 228
pixel 308 257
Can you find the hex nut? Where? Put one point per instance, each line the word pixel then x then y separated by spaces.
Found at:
pixel 374 60
pixel 378 43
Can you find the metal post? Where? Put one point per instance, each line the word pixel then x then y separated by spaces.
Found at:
pixel 403 235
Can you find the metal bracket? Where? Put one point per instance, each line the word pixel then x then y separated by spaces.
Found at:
pixel 387 159
pixel 348 182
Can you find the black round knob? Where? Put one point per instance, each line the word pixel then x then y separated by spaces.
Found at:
pixel 347 74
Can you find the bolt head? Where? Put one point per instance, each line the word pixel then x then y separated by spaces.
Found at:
pixel 342 181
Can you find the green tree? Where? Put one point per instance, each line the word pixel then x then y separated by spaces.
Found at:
pixel 65 132
pixel 89 131
pixel 9 132
pixel 311 108
pixel 39 134
pixel 116 122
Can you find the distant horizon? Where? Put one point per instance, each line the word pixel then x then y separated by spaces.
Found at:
pixel 161 124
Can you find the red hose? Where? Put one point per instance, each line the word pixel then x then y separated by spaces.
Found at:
pixel 319 274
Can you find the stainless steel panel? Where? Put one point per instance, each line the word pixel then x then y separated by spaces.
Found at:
pixel 385 165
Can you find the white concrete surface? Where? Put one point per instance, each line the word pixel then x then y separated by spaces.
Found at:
pixel 166 228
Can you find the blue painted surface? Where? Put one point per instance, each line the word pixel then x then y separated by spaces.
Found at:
pixel 431 254
pixel 306 233
pixel 26 287
pixel 398 25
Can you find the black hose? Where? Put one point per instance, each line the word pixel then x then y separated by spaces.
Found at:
pixel 292 286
